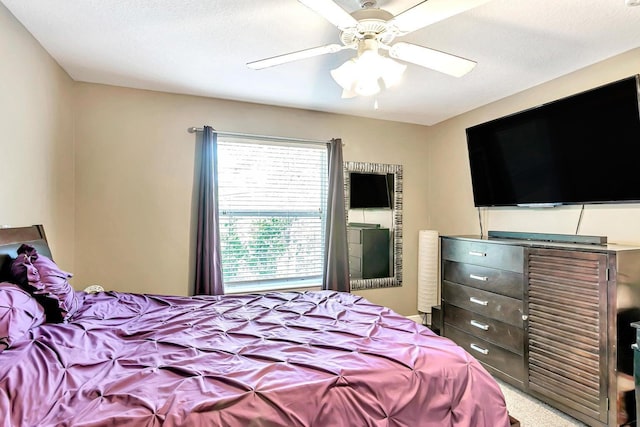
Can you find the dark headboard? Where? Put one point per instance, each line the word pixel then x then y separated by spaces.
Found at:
pixel 12 238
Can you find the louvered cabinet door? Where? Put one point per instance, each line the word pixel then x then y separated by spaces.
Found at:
pixel 567 359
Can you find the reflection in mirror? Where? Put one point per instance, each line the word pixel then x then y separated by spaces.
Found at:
pixel 373 200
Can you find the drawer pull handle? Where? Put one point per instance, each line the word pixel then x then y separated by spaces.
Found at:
pixel 478 301
pixel 481 278
pixel 479 325
pixel 476 253
pixel 479 349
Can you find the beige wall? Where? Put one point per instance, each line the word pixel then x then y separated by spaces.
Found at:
pixel 450 195
pixel 36 146
pixel 127 222
pixel 135 171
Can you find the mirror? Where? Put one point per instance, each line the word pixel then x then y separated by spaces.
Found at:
pixel 374 224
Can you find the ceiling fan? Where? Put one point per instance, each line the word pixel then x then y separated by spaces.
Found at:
pixel 371 31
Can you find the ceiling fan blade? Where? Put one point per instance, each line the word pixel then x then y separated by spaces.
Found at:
pixel 433 59
pixel 294 56
pixel 331 12
pixel 432 11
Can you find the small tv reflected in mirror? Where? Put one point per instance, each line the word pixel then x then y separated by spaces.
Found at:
pixel 373 198
pixel 371 190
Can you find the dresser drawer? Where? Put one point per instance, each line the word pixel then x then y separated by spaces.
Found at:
pixel 502 334
pixel 354 235
pixel 494 255
pixel 490 279
pixel 488 304
pixel 355 267
pixel 355 250
pixel 498 358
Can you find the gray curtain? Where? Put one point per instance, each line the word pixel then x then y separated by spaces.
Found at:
pixel 208 280
pixel 336 261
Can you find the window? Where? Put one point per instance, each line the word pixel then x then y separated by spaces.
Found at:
pixel 272 199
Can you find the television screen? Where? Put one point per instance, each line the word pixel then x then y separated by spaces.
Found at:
pixel 581 149
pixel 370 190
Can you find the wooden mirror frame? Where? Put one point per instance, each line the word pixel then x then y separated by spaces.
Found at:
pixel 396 212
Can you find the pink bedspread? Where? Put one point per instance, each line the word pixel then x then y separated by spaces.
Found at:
pixel 280 359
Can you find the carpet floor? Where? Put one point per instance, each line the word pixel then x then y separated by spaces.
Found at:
pixel 531 412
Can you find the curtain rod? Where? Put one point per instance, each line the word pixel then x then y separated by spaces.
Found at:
pixel 251 135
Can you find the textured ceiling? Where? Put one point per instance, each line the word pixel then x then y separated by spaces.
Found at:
pixel 200 47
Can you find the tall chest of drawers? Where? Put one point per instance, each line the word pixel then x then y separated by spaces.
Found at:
pixel 483 303
pixel 549 316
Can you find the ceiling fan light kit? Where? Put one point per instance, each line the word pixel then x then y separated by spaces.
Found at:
pixel 367 74
pixel 370 30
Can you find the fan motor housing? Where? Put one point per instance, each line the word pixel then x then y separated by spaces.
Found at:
pixel 372 23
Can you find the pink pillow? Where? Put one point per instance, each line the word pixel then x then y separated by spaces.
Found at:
pixel 19 312
pixel 42 277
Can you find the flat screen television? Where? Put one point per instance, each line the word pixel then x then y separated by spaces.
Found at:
pixel 581 149
pixel 370 190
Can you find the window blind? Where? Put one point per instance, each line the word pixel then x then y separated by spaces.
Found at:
pixel 272 205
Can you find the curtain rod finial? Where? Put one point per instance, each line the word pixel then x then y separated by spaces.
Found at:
pixel 192 129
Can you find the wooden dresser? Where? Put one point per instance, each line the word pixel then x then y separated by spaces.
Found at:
pixel 546 317
pixel 368 251
pixel 483 303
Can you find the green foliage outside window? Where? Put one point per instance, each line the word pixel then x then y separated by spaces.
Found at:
pixel 270 242
pixel 256 253
pixel 234 249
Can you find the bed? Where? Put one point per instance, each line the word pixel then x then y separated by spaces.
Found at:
pixel 275 359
